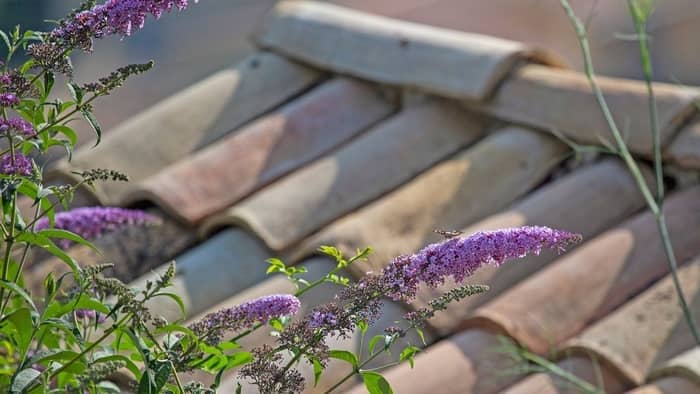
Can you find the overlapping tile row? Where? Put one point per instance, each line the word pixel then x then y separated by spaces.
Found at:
pixel 679 375
pixel 556 303
pixel 388 155
pixel 304 129
pixel 631 342
pixel 190 120
pixel 503 78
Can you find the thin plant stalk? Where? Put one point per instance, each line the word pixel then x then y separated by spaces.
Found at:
pixel 655 206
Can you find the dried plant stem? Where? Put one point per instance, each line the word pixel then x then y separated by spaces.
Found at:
pixel 655 206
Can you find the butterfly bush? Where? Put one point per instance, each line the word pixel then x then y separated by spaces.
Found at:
pixel 93 222
pixel 83 327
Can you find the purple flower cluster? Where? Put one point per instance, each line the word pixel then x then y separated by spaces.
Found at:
pixel 92 222
pixel 90 315
pixel 17 165
pixel 17 127
pixel 260 310
pixel 120 17
pixel 460 257
pixel 8 99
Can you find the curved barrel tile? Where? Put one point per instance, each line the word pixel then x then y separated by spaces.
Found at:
pixel 221 174
pixel 585 368
pixel 685 149
pixel 647 331
pixel 588 201
pixel 561 100
pixel 465 363
pixel 686 365
pixel 174 128
pixel 388 51
pixel 591 281
pixel 475 182
pixel 390 154
pixel 211 272
pixel 668 385
pixel 133 250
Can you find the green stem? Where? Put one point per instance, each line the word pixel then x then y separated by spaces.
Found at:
pixel 654 207
pixel 558 371
pixel 9 243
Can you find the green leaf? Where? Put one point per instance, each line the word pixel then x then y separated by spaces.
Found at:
pixel 334 252
pixel 318 370
pixel 175 298
pixel 421 335
pixel 68 132
pixel 238 359
pixel 153 380
pixel 373 343
pixel 108 387
pixel 6 39
pixel 408 354
pixel 276 265
pixel 24 379
pixel 48 84
pixel 63 234
pixel 90 117
pixel 345 356
pixel 45 243
pixel 376 384
pixel 22 320
pixel 76 92
pixel 14 288
pixel 363 326
pixel 133 368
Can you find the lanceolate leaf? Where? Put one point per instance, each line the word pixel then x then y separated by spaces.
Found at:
pixel 376 384
pixel 94 124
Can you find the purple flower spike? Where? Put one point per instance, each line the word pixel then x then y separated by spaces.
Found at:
pixel 114 17
pixel 8 99
pixel 259 310
pixel 90 314
pixel 20 165
pixel 460 257
pixel 93 222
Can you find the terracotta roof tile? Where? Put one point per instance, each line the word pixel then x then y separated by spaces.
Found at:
pixel 581 366
pixel 645 332
pixel 392 52
pixel 667 385
pixel 450 195
pixel 588 201
pixel 191 119
pixel 380 160
pixel 561 100
pixel 216 177
pixel 591 281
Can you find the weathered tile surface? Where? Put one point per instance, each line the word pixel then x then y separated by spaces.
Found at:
pixel 190 120
pixel 450 195
pixel 278 143
pixel 562 100
pixel 591 281
pixel 390 154
pixel 392 52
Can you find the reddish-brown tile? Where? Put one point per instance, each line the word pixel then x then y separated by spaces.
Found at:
pixel 218 176
pixel 588 283
pixel 390 154
pixel 190 120
pixel 561 100
pixel 450 195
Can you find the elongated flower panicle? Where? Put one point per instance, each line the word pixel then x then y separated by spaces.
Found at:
pixel 460 257
pixel 120 17
pixel 17 165
pixel 260 310
pixel 93 222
